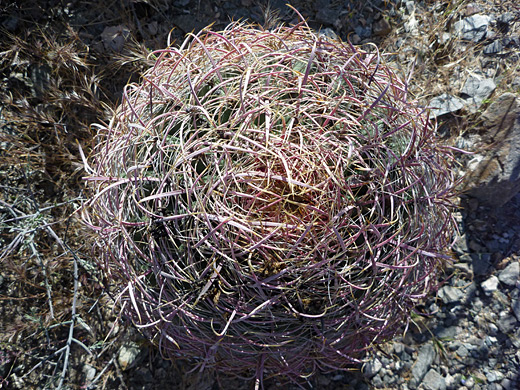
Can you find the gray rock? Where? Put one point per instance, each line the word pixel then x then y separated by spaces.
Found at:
pixel 477 90
pixel 490 285
pixel 469 382
pixel 481 262
pixel 449 294
pixel 445 104
pixel 377 382
pixel 493 48
pixel 422 365
pixel 128 355
pixel 506 18
pixel 326 15
pixel 515 305
pixel 510 274
pixel 114 37
pixel 89 372
pixel 433 381
pixel 446 333
pixel 507 323
pixel 372 367
pixel 494 376
pixel 473 28
pixel 461 244
pixel 493 175
pixel 363 32
pixel 462 351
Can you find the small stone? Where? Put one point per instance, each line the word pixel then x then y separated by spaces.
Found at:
pixel 492 329
pixel 372 367
pixel 449 294
pixel 473 28
pixel 377 382
pixel 114 37
pixel 490 285
pixel 445 104
pixel 462 351
pixel 493 48
pixel 449 380
pixel 469 382
pixel 515 305
pixel 490 341
pixel 433 381
pixel 461 245
pixel 477 90
pixel 507 384
pixel 481 262
pixel 510 274
pixel 363 32
pixel 494 376
pixel 506 18
pixel 515 338
pixel 382 27
pixel 128 355
pixel 472 9
pixel 90 372
pixel 446 333
pixel 506 323
pixel 422 364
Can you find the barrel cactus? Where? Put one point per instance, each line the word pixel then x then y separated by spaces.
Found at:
pixel 270 202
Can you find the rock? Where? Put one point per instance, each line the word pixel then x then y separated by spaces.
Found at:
pixel 449 294
pixel 327 32
pixel 481 262
pixel 89 372
pixel 372 367
pixel 461 245
pixel 494 376
pixel 326 15
pixel 462 351
pixel 515 306
pixel 469 382
pixel 363 32
pixel 449 381
pixel 446 333
pixel 445 104
pixel 472 9
pixel 473 28
pixel 476 91
pixel 433 381
pixel 494 176
pixel 382 27
pixel 187 24
pixel 128 355
pixel 510 274
pixel 464 269
pixel 504 20
pixel 490 285
pixel 493 48
pixel 506 323
pixel 114 37
pixel 422 365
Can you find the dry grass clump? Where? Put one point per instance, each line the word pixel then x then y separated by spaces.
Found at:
pixel 49 97
pixel 269 202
